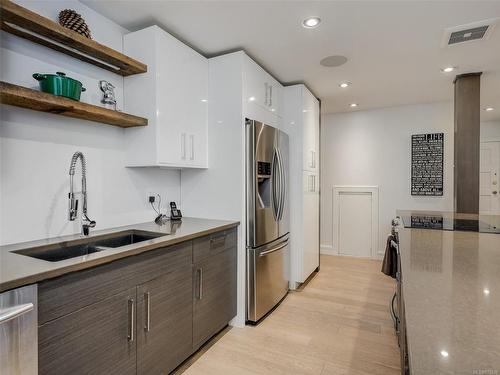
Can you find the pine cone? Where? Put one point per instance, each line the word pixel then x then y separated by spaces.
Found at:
pixel 70 19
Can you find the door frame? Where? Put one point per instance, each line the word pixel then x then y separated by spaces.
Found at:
pixel 487 140
pixel 373 190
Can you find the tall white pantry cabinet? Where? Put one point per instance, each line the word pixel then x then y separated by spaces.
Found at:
pixel 302 121
pixel 173 95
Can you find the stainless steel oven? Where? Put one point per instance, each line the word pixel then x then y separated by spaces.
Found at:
pixel 19 331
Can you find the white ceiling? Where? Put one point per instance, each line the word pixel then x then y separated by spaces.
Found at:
pixel 394 48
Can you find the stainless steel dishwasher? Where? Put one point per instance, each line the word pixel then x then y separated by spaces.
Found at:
pixel 19 331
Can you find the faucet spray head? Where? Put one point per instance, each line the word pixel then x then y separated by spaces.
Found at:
pixel 73 207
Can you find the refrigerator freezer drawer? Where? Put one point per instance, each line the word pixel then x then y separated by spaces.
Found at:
pixel 267 273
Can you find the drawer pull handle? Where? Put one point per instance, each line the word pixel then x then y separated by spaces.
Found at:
pixel 200 283
pixel 147 300
pixel 130 336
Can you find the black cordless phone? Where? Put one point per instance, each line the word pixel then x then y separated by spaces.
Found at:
pixel 175 214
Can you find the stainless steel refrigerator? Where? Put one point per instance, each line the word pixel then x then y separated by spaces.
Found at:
pixel 267 214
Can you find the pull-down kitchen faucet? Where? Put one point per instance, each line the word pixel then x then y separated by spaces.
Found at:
pixel 73 203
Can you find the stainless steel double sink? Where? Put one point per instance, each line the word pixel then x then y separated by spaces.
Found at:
pixel 84 246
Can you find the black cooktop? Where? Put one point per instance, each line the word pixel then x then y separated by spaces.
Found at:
pixel 445 223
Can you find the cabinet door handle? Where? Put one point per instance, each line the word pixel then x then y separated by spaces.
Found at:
pixel 266 88
pixel 183 146
pixel 200 283
pixel 147 304
pixel 314 158
pixel 191 140
pixel 270 95
pixel 130 335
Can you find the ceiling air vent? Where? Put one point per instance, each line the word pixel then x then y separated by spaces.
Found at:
pixel 471 32
pixel 468 34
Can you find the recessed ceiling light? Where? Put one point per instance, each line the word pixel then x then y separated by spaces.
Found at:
pixel 204 100
pixel 311 22
pixel 251 99
pixel 344 84
pixel 353 105
pixel 444 353
pixel 448 69
pixel 489 109
pixel 486 291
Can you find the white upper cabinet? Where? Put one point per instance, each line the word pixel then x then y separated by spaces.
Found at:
pixel 263 94
pixel 173 95
pixel 310 121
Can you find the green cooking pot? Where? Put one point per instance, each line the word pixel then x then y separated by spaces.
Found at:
pixel 60 85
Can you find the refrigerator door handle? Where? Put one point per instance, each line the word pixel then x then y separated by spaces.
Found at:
pixel 274 184
pixel 280 169
pixel 278 185
pixel 282 186
pixel 279 247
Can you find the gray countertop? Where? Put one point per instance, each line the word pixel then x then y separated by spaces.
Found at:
pixel 451 288
pixel 17 270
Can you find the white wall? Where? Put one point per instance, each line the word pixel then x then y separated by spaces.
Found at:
pixel 372 148
pixel 36 148
pixel 490 130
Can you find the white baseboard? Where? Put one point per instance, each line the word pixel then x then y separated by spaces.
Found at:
pixel 327 250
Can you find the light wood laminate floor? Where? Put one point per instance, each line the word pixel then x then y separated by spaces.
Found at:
pixel 338 324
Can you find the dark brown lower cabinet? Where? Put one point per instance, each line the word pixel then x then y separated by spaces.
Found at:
pixel 90 341
pixel 214 294
pixel 138 315
pixel 164 322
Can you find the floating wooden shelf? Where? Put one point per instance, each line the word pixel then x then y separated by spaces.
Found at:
pixel 29 25
pixel 40 101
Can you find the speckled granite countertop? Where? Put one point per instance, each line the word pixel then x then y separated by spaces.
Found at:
pixel 451 288
pixel 17 270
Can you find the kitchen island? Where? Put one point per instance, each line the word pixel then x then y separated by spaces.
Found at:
pixel 451 291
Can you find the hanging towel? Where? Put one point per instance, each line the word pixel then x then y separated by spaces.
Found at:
pixel 390 262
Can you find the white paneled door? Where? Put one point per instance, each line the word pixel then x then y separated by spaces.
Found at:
pixel 489 200
pixel 355 223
